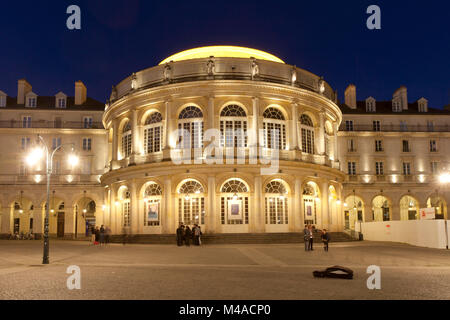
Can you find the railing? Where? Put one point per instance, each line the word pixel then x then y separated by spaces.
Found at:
pixel 50 124
pixel 395 128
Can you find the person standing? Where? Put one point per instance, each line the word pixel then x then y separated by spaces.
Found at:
pixel 93 234
pixel 199 230
pixel 97 235
pixel 311 238
pixel 306 237
pixel 196 234
pixel 325 239
pixel 102 235
pixel 180 235
pixel 187 236
pixel 107 234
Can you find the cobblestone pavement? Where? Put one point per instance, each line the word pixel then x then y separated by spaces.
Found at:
pixel 220 271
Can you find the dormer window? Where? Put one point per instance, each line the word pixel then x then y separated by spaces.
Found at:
pixel 370 105
pixel 2 101
pixel 423 105
pixel 60 100
pixel 31 102
pixel 61 103
pixel 396 106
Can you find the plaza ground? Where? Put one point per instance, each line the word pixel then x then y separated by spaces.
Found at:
pixel 220 271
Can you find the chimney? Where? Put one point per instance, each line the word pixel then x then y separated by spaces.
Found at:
pixel 401 94
pixel 23 87
pixel 350 96
pixel 80 93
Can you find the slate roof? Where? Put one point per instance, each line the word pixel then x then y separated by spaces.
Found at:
pixel 385 107
pixel 49 103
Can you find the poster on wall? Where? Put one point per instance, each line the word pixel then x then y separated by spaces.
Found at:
pixel 153 211
pixel 427 214
pixel 234 209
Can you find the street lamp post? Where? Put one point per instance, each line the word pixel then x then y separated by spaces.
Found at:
pixel 32 158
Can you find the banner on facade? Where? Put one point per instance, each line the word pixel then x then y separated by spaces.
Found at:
pixel 427 214
pixel 234 209
pixel 153 211
pixel 308 211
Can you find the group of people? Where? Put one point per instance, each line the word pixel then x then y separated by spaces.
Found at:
pixel 100 235
pixel 309 237
pixel 186 234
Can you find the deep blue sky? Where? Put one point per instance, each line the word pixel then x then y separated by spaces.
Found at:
pixel 328 38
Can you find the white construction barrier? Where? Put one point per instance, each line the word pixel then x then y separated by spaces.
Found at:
pixel 421 233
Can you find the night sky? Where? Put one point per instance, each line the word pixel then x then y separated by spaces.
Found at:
pixel 328 38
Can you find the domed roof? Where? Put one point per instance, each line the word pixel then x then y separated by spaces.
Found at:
pixel 220 52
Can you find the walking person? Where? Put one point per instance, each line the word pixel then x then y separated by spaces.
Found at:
pixel 92 229
pixel 311 238
pixel 187 236
pixel 180 235
pixel 306 237
pixel 102 235
pixel 325 239
pixel 199 239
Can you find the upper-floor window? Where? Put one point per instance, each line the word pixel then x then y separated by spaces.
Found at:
pixel 351 146
pixel 307 130
pixel 56 142
pixel 61 103
pixel 274 128
pixel 87 122
pixel 405 144
pixel 430 126
pixel 406 168
pixel 433 146
pixel 348 125
pixel 233 126
pixel 126 140
pixel 26 142
pixel 87 144
pixel 31 102
pixel 376 125
pixel 190 127
pixel 26 122
pixel 153 133
pixel 403 126
pixel 378 145
pixel 434 166
pixel 351 168
pixel 379 168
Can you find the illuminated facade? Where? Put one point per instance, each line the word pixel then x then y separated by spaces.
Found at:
pixel 229 138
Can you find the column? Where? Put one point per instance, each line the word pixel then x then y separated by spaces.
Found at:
pixel 368 216
pixel 294 140
pixel 38 226
pixel 213 219
pixel 115 140
pixel 135 133
pixel 335 130
pixel 321 136
pixel 167 215
pixel 114 211
pixel 258 212
pixel 325 214
pixel 255 122
pixel 6 220
pixel 395 211
pixel 298 214
pixel 169 134
pixel 69 221
pixel 134 209
pixel 211 112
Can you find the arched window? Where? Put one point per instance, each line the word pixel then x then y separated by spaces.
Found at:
pixel 125 198
pixel 126 140
pixel 439 205
pixel 152 204
pixel 233 126
pixel 381 209
pixel 311 201
pixel 353 211
pixel 307 132
pixel 190 127
pixel 409 208
pixel 234 202
pixel 191 203
pixel 274 126
pixel 276 203
pixel 153 133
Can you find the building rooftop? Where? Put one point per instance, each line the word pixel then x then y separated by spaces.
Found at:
pixel 49 102
pixel 385 107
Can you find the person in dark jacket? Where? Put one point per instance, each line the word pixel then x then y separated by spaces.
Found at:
pixel 97 234
pixel 180 235
pixel 325 239
pixel 311 238
pixel 306 237
pixel 102 235
pixel 187 236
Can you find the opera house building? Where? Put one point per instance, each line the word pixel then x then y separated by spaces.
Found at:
pixel 230 138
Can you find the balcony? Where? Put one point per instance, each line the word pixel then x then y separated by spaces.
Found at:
pixel 395 128
pixel 50 124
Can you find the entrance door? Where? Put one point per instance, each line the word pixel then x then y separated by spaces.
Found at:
pixel 60 230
